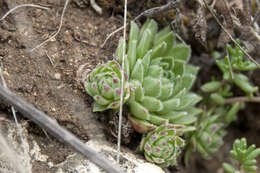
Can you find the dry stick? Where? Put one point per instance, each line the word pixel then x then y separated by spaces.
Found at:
pixel 60 25
pixel 233 40
pixel 148 13
pixel 256 17
pixel 45 122
pixel 18 125
pixel 96 7
pixel 243 99
pixel 122 86
pixel 23 5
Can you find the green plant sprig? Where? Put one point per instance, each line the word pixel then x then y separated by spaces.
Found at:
pixel 244 157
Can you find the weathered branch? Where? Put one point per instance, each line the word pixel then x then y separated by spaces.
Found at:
pixel 45 122
pixel 243 99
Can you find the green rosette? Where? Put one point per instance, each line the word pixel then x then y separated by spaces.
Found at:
pixel 104 85
pixel 163 145
pixel 160 78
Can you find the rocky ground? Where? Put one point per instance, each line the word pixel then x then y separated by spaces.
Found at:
pixel 50 76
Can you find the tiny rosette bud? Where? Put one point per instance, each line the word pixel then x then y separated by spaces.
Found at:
pixel 162 146
pixel 104 85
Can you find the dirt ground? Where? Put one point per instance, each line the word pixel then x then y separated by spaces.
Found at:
pixel 49 76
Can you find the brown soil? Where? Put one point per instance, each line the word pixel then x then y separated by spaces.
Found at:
pixel 48 77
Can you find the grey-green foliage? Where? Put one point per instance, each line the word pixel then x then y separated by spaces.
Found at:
pixel 232 66
pixel 160 78
pixel 208 136
pixel 244 156
pixel 163 145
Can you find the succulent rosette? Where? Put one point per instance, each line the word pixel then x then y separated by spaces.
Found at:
pixel 163 145
pixel 104 85
pixel 159 78
pixel 209 135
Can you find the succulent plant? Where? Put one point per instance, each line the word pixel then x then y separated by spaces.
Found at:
pixel 245 156
pixel 208 135
pixel 104 85
pixel 231 66
pixel 163 145
pixel 159 78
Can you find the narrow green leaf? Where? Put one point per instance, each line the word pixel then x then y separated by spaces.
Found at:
pixel 143 28
pixel 232 112
pixel 101 100
pixel 179 67
pixel 98 108
pixel 168 39
pixel 186 120
pixel 155 71
pixel 144 44
pixel 217 98
pixel 188 100
pixel 152 104
pixel 162 33
pixel 228 168
pixel 181 52
pixel 138 71
pixel 138 90
pixel 170 105
pixel 158 50
pixel 154 119
pixel 242 82
pixel 139 111
pixel 253 154
pixel 249 162
pixel 134 32
pixel 249 168
pixel 131 54
pixel 212 86
pixel 91 88
pixel 141 126
pixel 146 61
pixel 152 87
pixel 119 51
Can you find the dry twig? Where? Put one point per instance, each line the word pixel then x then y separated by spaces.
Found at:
pixel 56 130
pixel 57 32
pixel 148 13
pixel 242 99
pixel 229 35
pixel 23 5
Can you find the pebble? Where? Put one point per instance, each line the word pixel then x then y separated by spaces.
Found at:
pixel 57 76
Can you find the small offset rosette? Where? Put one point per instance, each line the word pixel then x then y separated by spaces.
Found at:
pixel 104 85
pixel 163 145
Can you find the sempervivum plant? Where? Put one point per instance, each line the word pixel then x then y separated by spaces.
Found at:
pixel 208 136
pixel 104 84
pixel 159 78
pixel 163 145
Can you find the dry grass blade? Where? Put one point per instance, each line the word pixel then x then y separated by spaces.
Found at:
pixel 148 13
pixel 23 5
pixel 56 130
pixel 229 35
pixel 56 33
pixel 122 86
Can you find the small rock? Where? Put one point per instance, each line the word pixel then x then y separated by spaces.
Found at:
pixel 129 162
pixel 57 76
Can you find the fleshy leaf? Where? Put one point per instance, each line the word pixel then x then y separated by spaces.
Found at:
pixel 152 104
pixel 181 52
pixel 138 71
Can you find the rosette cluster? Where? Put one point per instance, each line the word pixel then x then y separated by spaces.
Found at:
pixel 162 146
pixel 160 78
pixel 208 136
pixel 104 85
